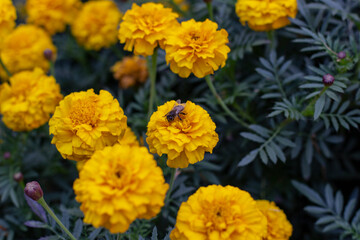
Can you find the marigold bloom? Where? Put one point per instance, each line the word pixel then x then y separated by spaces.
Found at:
pixel 129 138
pixel 278 228
pixel 144 28
pixel 52 15
pixel 23 49
pixel 118 185
pixel 265 15
pixel 184 141
pixel 197 47
pixel 27 102
pixel 85 122
pixel 129 71
pixel 7 18
pixel 219 213
pixel 96 25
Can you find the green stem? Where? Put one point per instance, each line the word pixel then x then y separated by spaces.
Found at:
pixel 171 183
pixel 118 236
pixel 313 101
pixel 52 214
pixel 52 68
pixel 5 68
pixel 210 10
pixel 152 72
pixel 221 102
pixel 271 37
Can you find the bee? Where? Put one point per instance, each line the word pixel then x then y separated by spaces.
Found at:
pixel 176 111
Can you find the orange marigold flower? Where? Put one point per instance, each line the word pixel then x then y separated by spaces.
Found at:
pixel 278 228
pixel 118 185
pixel 197 47
pixel 144 28
pixel 23 49
pixel 52 15
pixel 85 122
pixel 96 25
pixel 129 71
pixel 29 98
pixel 7 18
pixel 265 15
pixel 184 140
pixel 219 213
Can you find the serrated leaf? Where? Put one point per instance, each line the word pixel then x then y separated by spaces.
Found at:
pixel 271 153
pixel 94 233
pixel 35 224
pixel 154 235
pixel 248 158
pixel 309 193
pixel 331 227
pixel 329 198
pixel 349 209
pixel 339 202
pixel 314 210
pixel 325 220
pixel 319 106
pixel 252 137
pixel 78 228
pixel 263 156
pixel 260 130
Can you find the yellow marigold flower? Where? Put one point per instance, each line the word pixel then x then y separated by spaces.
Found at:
pixel 24 49
pixel 144 28
pixel 265 15
pixel 129 71
pixel 96 25
pixel 278 228
pixel 85 122
pixel 118 185
pixel 219 213
pixel 29 99
pixel 52 15
pixel 7 18
pixel 197 47
pixel 184 141
pixel 129 138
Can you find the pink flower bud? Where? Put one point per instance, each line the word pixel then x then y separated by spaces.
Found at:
pixel 33 190
pixel 7 155
pixel 18 177
pixel 328 79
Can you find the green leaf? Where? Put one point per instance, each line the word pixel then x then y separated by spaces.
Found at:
pixel 309 193
pixel 319 106
pixel 248 158
pixel 252 137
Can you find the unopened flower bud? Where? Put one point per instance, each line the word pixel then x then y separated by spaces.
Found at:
pixel 48 54
pixel 7 155
pixel 18 177
pixel 33 190
pixel 341 55
pixel 328 79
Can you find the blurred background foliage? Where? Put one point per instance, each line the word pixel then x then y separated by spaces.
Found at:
pixel 299 145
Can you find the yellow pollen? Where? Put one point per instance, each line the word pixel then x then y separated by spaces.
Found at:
pixel 83 111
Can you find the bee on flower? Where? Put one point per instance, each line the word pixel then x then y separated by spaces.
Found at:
pixel 183 131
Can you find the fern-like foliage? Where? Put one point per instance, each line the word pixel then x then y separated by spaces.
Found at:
pixel 333 216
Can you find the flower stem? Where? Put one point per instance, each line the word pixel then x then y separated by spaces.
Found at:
pixel 272 39
pixel 52 214
pixel 5 68
pixel 171 183
pixel 52 68
pixel 210 10
pixel 221 102
pixel 152 72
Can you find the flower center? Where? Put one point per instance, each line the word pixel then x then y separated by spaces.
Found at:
pixel 194 36
pixel 83 111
